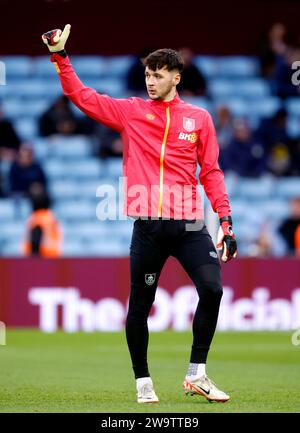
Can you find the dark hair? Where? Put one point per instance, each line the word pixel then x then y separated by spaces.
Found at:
pixel 165 57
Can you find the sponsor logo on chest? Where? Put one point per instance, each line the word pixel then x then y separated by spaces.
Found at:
pixel 193 137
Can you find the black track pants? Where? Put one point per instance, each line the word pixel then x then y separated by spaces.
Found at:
pixel 153 241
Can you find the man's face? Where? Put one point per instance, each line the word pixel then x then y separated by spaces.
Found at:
pixel 160 82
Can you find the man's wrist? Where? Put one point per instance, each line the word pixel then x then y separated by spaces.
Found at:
pixel 226 218
pixel 61 53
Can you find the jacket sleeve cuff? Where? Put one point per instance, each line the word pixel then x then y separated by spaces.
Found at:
pixel 58 56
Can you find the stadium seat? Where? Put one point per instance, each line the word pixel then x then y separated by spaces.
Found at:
pixel 111 86
pixel 114 248
pixel 238 66
pixel 88 66
pixel 288 187
pixel 87 168
pixel 73 147
pixel 17 66
pixel 79 210
pixel 208 65
pixel 293 106
pixel 7 209
pixel 70 189
pixel 200 102
pixel 73 248
pixel 263 107
pixel 256 189
pixel 26 128
pixel 117 66
pixel 12 231
pixel 113 167
pixel 250 88
pixel 293 126
pixel 34 89
pixel 276 209
pixel 43 67
pixel 11 249
pixel 16 109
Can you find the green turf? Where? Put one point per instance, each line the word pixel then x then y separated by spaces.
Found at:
pixel 91 373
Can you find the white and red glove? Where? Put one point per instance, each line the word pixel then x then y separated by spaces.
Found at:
pixel 226 242
pixel 56 39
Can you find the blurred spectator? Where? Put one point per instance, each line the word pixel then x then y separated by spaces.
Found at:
pixel 110 143
pixel 289 226
pixel 244 155
pixel 224 126
pixel 25 172
pixel 262 245
pixel 274 130
pixel 136 73
pixel 272 133
pixel 285 87
pixel 9 145
pixel 59 119
pixel 273 49
pixel 43 232
pixel 192 81
pixel 9 140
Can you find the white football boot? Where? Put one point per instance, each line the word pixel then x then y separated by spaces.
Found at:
pixel 146 393
pixel 206 387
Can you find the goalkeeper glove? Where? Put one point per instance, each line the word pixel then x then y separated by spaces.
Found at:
pixel 56 39
pixel 226 242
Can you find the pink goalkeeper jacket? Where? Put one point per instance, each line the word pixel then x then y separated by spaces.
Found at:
pixel 162 143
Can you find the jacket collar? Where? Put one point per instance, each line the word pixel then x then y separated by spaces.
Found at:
pixel 159 103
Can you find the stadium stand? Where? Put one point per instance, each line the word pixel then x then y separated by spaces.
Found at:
pixel 74 171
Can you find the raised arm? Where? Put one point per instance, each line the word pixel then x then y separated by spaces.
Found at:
pixel 102 108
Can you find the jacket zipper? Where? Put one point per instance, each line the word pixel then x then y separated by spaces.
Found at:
pixel 161 163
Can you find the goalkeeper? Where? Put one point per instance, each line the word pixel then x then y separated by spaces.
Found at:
pixel 163 140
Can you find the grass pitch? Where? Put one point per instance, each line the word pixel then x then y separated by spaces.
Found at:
pixel 92 373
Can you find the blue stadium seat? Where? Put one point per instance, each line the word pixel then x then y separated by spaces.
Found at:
pixel 264 107
pixel 43 67
pixel 88 66
pixel 55 168
pixel 275 209
pixel 293 106
pixel 238 66
pixel 113 167
pixel 238 207
pixel 114 87
pixel 87 168
pixel 32 89
pixel 8 210
pixel 237 106
pixel 208 65
pixel 17 66
pixel 73 248
pixel 76 146
pixel 11 249
pixel 12 231
pixel 288 187
pixel 79 210
pixel 26 128
pixel 250 88
pixel 200 102
pixel 293 126
pixel 114 248
pixel 15 108
pixel 118 66
pixel 61 190
pixel 255 189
